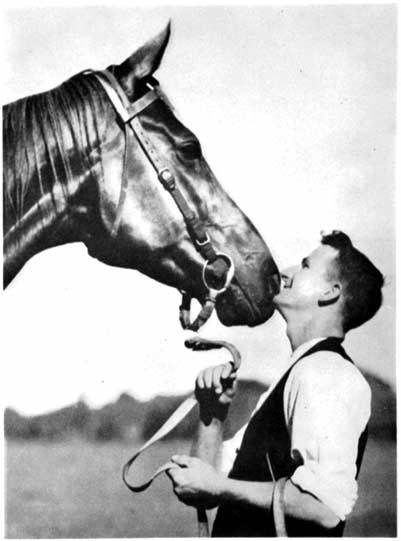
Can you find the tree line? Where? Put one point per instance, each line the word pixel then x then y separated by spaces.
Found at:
pixel 129 418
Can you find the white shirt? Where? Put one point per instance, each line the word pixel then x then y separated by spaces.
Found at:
pixel 326 406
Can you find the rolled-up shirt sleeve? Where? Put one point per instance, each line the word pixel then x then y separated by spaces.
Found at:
pixel 327 407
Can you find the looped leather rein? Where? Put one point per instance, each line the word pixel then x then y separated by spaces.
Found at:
pixel 197 344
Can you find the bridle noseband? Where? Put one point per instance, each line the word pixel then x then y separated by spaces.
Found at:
pixel 223 264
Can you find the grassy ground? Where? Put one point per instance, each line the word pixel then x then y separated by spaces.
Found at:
pixel 74 490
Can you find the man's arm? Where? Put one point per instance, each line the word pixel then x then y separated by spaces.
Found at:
pixel 214 388
pixel 327 406
pixel 208 440
pixel 197 482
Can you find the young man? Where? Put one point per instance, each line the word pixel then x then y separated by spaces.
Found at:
pixel 304 443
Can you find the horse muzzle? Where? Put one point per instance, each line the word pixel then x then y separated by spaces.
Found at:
pixel 235 305
pixel 241 305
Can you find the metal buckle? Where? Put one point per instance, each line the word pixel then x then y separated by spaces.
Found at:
pixel 204 242
pixel 167 179
pixel 229 275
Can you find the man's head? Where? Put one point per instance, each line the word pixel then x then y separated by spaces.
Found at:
pixel 335 279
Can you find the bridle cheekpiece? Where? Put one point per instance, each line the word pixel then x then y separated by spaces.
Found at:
pixel 129 113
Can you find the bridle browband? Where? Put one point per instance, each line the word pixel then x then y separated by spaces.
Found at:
pixel 129 114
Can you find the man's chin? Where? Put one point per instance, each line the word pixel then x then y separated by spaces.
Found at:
pixel 280 303
pixel 278 299
pixel 277 302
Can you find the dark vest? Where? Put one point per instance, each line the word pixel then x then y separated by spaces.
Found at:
pixel 267 433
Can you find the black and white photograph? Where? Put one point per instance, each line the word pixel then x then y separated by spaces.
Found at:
pixel 199 270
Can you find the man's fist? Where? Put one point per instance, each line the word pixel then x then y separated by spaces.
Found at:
pixel 215 388
pixel 195 482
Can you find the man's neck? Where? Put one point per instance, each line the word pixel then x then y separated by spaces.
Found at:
pixel 300 330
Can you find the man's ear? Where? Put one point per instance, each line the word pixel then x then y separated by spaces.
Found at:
pixel 330 295
pixel 143 62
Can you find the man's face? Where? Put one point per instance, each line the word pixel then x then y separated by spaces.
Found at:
pixel 305 284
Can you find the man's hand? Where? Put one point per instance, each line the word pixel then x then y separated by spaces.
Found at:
pixel 214 389
pixel 195 482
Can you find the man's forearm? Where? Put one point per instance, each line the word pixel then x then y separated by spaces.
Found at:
pixel 208 439
pixel 214 390
pixel 298 504
pixel 251 493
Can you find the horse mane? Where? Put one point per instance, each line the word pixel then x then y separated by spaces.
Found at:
pixel 43 128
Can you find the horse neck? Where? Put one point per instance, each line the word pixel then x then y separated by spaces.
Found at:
pixel 51 153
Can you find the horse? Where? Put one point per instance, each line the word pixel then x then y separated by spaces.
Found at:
pixel 97 159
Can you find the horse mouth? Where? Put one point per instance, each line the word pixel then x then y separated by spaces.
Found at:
pixel 238 306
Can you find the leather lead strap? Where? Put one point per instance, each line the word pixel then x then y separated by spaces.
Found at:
pixel 174 419
pixel 198 344
pixel 203 523
pixel 202 317
pixel 278 507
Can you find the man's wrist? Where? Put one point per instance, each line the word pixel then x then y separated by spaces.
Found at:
pixel 225 488
pixel 209 414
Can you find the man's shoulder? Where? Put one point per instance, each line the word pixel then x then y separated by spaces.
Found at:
pixel 330 367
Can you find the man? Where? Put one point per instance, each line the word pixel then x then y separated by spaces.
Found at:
pixel 308 432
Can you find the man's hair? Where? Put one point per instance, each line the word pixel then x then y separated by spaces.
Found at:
pixel 361 281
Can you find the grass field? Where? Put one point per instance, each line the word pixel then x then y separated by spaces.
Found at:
pixel 74 490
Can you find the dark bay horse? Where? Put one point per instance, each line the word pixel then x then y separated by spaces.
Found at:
pixel 74 172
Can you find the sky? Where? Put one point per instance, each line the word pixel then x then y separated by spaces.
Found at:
pixel 295 111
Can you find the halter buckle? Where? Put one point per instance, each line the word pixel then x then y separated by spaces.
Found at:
pixel 167 179
pixel 203 242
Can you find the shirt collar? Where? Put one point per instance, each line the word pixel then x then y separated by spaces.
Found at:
pixel 303 348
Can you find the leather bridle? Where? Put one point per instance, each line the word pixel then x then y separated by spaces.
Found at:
pixel 224 269
pixel 129 114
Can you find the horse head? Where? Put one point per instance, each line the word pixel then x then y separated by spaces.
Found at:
pixel 110 186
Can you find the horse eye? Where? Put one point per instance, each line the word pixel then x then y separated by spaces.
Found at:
pixel 190 151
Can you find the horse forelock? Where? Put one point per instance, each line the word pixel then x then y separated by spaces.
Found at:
pixel 41 129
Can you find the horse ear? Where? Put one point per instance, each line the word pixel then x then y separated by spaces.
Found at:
pixel 143 62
